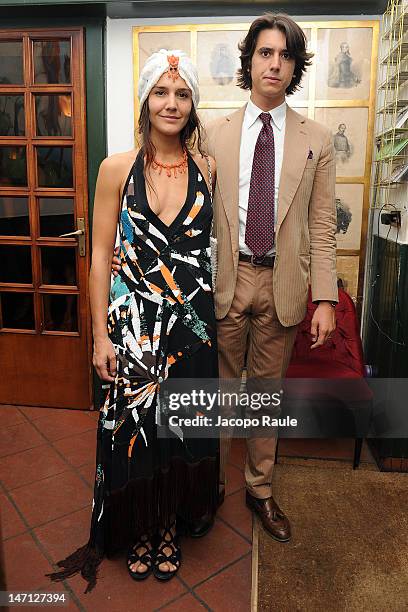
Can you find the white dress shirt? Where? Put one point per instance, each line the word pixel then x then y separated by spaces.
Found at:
pixel 251 127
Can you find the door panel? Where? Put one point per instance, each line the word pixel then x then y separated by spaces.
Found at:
pixel 44 312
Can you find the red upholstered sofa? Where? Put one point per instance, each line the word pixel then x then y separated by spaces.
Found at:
pixel 341 357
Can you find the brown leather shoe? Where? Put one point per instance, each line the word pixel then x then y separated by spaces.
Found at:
pixel 272 517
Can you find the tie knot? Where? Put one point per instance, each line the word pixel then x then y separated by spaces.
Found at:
pixel 266 119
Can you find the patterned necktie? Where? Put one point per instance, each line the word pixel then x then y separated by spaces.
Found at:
pixel 259 230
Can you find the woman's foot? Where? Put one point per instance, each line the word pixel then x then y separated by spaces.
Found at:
pixel 168 555
pixel 140 558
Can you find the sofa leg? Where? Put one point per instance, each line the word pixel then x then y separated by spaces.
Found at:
pixel 358 444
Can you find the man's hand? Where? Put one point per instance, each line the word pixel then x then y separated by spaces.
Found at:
pixel 323 324
pixel 115 262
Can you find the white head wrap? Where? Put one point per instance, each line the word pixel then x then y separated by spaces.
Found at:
pixel 158 63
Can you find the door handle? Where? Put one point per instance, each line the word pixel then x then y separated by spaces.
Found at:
pixel 76 233
pixel 80 233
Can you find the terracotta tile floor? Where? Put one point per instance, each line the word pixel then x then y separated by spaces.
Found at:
pixel 46 484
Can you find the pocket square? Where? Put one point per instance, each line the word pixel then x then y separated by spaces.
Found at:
pixel 310 156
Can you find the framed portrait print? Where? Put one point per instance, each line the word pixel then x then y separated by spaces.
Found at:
pixel 217 65
pixel 349 209
pixel 349 128
pixel 346 73
pixel 150 42
pixel 208 114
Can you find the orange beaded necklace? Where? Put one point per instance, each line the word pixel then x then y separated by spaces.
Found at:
pixel 179 167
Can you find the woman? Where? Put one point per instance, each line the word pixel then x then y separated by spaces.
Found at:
pixel 161 324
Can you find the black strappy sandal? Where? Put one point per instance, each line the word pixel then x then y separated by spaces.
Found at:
pixel 168 540
pixel 145 556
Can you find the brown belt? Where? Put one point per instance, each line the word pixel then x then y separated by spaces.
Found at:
pixel 258 261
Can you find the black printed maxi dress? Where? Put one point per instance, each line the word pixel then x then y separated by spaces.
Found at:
pixel 162 324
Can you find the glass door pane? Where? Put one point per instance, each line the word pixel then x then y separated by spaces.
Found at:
pixel 58 265
pixel 13 166
pixel 11 62
pixel 17 310
pixel 54 167
pixel 12 117
pixel 60 312
pixel 14 219
pixel 52 61
pixel 15 264
pixel 56 216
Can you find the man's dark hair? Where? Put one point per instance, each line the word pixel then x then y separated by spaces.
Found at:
pixel 295 45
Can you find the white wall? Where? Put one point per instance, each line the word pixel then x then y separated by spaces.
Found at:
pixel 119 59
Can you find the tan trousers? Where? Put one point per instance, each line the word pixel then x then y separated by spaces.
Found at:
pixel 252 323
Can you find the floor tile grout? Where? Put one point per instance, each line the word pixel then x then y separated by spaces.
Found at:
pixel 227 566
pixel 74 468
pixel 194 594
pixel 235 530
pixel 33 528
pixel 30 532
pixel 26 484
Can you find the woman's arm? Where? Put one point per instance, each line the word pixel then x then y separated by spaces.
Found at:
pixel 105 216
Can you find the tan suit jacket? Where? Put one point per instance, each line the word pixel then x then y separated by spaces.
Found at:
pixel 306 223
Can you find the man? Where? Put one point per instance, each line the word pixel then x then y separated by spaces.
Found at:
pixel 274 218
pixel 275 223
pixel 341 143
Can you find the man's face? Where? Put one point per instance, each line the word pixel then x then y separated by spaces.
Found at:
pixel 342 128
pixel 271 69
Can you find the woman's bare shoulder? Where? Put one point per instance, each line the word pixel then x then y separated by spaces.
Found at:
pixel 115 168
pixel 119 160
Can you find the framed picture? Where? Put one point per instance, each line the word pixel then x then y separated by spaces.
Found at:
pixel 150 42
pixel 349 208
pixel 347 270
pixel 303 93
pixel 349 128
pixel 346 72
pixel 208 114
pixel 217 65
pixel 302 110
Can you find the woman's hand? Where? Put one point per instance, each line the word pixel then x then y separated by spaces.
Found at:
pixel 104 359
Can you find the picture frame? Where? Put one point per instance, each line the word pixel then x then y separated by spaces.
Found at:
pixel 346 73
pixel 349 127
pixel 349 209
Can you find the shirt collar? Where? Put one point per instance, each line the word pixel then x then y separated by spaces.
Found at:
pixel 252 113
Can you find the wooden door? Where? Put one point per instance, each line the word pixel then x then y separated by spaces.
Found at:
pixel 44 311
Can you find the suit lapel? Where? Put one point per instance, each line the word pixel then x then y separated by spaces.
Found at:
pixel 227 156
pixel 295 154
